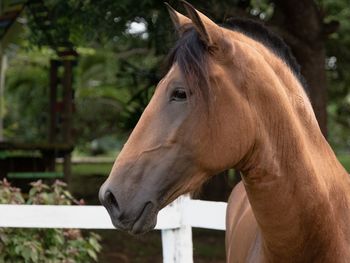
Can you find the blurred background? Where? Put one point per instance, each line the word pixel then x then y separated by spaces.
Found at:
pixel 76 75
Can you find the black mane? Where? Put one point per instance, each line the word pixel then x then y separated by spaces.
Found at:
pixel 269 39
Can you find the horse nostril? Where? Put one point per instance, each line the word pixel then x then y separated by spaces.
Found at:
pixel 111 203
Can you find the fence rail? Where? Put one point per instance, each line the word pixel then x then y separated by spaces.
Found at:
pixel 175 221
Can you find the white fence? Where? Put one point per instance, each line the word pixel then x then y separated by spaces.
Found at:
pixel 175 221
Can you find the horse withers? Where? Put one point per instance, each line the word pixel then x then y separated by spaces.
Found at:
pixel 234 97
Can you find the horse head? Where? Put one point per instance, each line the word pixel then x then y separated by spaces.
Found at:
pixel 191 129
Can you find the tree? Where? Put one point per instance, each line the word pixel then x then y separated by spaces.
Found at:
pixel 305 26
pixel 317 31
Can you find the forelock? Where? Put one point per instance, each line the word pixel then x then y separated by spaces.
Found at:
pixel 191 55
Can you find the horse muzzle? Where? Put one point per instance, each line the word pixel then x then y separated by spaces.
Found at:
pixel 135 216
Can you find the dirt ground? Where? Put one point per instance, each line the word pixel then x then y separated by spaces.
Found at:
pixel 119 247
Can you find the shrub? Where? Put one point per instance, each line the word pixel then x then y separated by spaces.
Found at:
pixel 37 245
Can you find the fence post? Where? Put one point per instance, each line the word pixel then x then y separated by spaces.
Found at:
pixel 177 243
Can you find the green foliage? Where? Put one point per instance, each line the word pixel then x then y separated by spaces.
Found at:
pixel 44 245
pixel 338 67
pixel 26 96
pixel 118 69
pixel 110 94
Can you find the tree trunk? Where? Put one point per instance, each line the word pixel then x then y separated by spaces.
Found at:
pixel 302 27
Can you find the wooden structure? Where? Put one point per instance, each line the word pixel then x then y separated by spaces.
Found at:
pixel 40 158
pixel 38 162
pixel 61 111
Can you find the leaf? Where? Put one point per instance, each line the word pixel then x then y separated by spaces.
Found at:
pixel 27 253
pixel 45 245
pixel 95 244
pixel 92 254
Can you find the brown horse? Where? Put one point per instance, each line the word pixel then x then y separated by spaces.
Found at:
pixel 234 98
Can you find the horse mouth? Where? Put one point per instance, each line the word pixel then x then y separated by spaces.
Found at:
pixel 146 221
pixel 143 223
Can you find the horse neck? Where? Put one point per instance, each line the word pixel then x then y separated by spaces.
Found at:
pixel 296 186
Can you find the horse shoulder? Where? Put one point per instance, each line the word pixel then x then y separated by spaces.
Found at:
pixel 243 239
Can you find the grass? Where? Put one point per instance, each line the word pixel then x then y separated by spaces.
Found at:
pixel 82 169
pixel 208 245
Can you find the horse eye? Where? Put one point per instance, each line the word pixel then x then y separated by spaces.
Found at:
pixel 179 94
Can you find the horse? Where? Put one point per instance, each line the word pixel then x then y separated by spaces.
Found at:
pixel 234 98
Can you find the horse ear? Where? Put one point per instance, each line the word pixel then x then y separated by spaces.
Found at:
pixel 178 19
pixel 209 31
